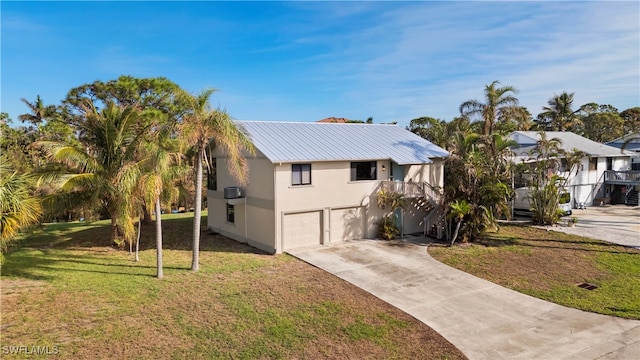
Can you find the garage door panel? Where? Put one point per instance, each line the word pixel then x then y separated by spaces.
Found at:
pixel 347 224
pixel 302 229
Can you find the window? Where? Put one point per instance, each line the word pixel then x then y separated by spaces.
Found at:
pixel 564 165
pixel 231 215
pixel 365 170
pixel 300 174
pixel 593 163
pixel 212 176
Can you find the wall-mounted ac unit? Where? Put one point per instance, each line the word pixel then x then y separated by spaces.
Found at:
pixel 232 192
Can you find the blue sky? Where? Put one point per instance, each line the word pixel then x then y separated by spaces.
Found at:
pixel 304 61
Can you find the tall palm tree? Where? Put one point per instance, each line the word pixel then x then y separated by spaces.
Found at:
pixel 18 207
pixel 498 102
pixel 558 115
pixel 105 170
pixel 202 125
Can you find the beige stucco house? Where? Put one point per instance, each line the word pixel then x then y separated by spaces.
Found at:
pixel 316 183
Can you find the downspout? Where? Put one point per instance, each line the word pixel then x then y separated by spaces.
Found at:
pixel 277 244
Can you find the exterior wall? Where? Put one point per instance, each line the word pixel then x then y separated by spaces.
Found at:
pixel 429 173
pixel 331 187
pixel 269 195
pixel 588 184
pixel 254 214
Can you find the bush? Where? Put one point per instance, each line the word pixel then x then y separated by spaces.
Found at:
pixel 387 228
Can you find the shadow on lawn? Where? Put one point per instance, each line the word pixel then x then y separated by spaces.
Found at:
pixel 177 235
pixel 547 243
pixel 22 262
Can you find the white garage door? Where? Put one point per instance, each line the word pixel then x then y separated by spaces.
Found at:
pixel 347 224
pixel 302 229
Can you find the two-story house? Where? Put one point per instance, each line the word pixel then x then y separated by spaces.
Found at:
pixel 604 174
pixel 316 183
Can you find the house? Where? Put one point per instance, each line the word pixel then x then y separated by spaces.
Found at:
pixel 316 183
pixel 632 144
pixel 334 120
pixel 604 174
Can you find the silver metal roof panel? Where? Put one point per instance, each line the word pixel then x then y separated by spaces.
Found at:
pixel 304 142
pixel 569 140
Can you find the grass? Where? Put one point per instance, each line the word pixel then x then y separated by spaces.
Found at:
pixel 65 286
pixel 549 265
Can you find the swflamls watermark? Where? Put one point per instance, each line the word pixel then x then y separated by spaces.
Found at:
pixel 30 350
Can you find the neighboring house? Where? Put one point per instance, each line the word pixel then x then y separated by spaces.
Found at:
pixel 632 144
pixel 334 120
pixel 316 183
pixel 604 175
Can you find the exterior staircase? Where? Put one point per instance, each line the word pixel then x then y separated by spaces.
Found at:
pixel 428 197
pixel 632 197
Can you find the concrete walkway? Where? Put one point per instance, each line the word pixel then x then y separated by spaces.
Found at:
pixel 484 320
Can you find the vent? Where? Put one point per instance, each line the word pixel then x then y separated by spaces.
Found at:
pixel 232 192
pixel 587 286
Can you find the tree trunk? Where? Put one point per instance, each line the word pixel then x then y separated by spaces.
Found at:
pixel 195 266
pixel 146 218
pixel 455 233
pixel 114 230
pixel 159 273
pixel 138 241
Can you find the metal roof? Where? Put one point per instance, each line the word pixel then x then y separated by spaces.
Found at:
pixel 298 141
pixel 570 141
pixel 633 142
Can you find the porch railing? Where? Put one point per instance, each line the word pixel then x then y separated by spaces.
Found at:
pixel 631 176
pixel 411 189
pixel 408 189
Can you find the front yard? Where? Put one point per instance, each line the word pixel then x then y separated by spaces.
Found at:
pixel 66 289
pixel 550 265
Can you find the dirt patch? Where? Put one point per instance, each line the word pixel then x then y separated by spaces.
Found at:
pixel 16 286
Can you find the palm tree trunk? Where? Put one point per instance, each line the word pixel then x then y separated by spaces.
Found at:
pixel 455 233
pixel 196 212
pixel 159 273
pixel 138 241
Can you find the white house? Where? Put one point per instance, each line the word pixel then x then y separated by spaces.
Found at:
pixel 631 143
pixel 604 174
pixel 316 183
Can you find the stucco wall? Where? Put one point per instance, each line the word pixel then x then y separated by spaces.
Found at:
pixel 254 215
pixel 258 218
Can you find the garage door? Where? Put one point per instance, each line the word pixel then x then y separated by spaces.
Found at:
pixel 302 229
pixel 347 224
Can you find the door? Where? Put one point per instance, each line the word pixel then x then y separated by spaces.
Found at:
pixel 347 224
pixel 397 172
pixel 301 229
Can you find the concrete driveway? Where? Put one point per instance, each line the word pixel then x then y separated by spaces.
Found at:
pixel 484 320
pixel 618 224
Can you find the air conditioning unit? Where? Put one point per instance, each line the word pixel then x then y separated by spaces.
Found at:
pixel 232 192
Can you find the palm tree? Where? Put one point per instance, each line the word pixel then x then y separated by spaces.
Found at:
pixel 558 115
pixel 201 126
pixel 39 112
pixel 161 169
pixel 105 170
pixel 498 103
pixel 458 210
pixel 18 207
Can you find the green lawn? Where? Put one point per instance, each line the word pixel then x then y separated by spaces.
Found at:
pixel 66 287
pixel 549 265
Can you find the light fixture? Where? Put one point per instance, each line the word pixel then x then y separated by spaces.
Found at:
pixel 384 167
